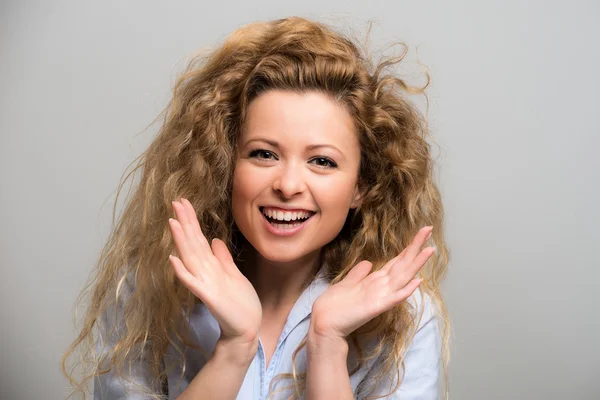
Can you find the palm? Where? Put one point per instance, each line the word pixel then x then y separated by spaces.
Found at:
pixel 344 308
pixel 233 302
pixel 361 296
pixel 210 273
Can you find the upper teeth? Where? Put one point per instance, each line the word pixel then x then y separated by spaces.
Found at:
pixel 285 216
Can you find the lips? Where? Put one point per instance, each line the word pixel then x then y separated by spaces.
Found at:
pixel 284 231
pixel 297 210
pixel 292 210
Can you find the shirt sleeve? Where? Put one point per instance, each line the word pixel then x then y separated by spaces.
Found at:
pixel 422 363
pixel 136 374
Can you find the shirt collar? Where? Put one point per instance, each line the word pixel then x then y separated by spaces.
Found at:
pixel 302 309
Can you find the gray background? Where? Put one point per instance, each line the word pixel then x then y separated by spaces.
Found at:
pixel 514 106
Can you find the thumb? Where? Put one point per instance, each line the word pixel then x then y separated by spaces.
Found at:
pixel 221 252
pixel 358 272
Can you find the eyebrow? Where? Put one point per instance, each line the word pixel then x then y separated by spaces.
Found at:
pixel 310 147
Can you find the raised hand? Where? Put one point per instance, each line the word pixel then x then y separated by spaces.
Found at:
pixel 210 273
pixel 360 296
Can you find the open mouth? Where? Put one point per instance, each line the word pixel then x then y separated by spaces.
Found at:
pixel 286 225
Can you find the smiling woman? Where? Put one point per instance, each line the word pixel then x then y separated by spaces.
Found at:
pixel 276 234
pixel 295 130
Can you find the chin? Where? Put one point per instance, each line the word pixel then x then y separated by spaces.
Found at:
pixel 282 254
pixel 277 252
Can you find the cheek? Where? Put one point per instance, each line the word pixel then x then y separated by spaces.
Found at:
pixel 334 202
pixel 242 186
pixel 335 195
pixel 246 188
pixel 239 194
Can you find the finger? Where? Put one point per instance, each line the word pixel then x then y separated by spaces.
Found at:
pixel 187 217
pixel 402 273
pixel 358 272
pixel 390 263
pixel 221 252
pixel 413 249
pixel 195 224
pixel 191 213
pixel 189 280
pixel 182 218
pixel 406 291
pixel 188 256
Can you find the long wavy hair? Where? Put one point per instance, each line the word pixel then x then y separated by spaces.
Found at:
pixel 193 156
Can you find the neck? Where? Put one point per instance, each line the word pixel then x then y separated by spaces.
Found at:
pixel 279 284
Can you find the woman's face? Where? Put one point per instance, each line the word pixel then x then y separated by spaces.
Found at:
pixel 296 152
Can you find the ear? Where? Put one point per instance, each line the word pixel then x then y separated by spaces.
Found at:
pixel 358 196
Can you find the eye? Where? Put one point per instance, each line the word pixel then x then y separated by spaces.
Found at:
pixel 266 155
pixel 326 160
pixel 255 152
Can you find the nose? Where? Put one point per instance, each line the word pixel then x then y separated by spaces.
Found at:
pixel 289 180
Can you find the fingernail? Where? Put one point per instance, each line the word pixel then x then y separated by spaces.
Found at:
pixel 428 236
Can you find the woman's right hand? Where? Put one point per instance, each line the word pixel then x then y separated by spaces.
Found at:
pixel 210 273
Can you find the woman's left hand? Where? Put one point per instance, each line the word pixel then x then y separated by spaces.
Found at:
pixel 360 296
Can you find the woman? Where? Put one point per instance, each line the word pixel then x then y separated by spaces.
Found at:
pixel 299 182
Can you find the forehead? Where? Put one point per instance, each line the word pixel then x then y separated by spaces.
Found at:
pixel 308 118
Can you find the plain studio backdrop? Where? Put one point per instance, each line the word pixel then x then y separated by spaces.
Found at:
pixel 514 108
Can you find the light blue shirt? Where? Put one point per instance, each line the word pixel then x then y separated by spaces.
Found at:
pixel 422 362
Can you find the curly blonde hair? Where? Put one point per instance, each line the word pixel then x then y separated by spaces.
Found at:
pixel 193 156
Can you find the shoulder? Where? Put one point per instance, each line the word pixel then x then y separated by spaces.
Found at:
pixel 423 309
pixel 423 359
pixel 422 364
